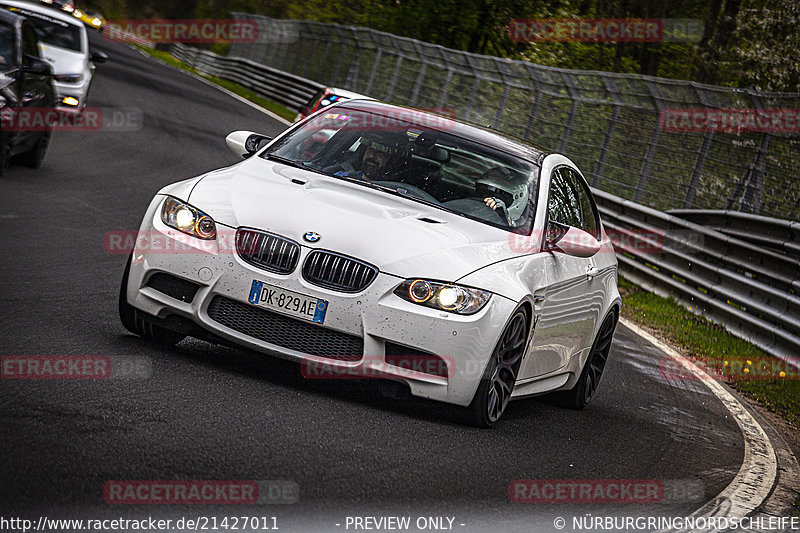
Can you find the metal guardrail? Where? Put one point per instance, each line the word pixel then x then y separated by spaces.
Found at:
pixel 752 291
pixel 780 235
pixel 287 89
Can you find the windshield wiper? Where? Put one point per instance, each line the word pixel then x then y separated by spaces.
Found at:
pixel 293 163
pixel 286 161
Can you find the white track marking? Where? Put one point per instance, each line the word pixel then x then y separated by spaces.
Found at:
pixel 756 477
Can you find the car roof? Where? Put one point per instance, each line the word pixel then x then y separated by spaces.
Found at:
pixel 488 137
pixel 347 94
pixel 42 10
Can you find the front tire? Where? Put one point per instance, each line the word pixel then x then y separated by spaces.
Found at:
pixel 582 393
pixel 497 383
pixel 35 156
pixel 136 322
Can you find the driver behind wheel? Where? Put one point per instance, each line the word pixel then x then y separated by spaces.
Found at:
pixel 382 159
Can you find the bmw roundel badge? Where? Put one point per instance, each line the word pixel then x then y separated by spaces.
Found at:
pixel 312 236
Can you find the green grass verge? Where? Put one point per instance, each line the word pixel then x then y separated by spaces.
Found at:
pixel 714 347
pixel 242 91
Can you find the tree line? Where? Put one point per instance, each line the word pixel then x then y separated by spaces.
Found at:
pixel 743 43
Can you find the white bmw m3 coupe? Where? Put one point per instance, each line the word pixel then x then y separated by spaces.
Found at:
pixel 381 241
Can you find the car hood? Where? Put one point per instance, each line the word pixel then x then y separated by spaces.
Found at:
pixel 63 61
pixel 400 236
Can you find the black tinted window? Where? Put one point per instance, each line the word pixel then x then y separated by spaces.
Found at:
pixel 7 46
pixel 564 205
pixel 51 30
pixel 570 203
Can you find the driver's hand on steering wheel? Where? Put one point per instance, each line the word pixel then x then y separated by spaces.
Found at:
pixel 494 203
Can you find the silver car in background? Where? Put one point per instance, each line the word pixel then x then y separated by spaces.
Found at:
pixel 65 45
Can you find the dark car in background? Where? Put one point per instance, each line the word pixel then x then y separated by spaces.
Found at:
pixel 26 90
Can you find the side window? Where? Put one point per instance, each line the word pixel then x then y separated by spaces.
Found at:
pixel 564 205
pixel 8 46
pixel 30 45
pixel 589 221
pixel 569 202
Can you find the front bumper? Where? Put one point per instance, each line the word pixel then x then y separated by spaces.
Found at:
pixel 375 315
pixel 79 91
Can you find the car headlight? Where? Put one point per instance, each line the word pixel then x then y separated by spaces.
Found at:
pixel 187 219
pixel 69 78
pixel 443 296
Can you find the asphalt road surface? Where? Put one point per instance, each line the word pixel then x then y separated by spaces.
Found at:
pixel 214 413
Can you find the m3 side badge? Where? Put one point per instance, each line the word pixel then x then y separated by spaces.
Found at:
pixel 312 236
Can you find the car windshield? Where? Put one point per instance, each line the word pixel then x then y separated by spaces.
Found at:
pixel 423 162
pixel 51 30
pixel 7 47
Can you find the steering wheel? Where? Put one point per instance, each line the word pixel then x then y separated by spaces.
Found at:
pixel 412 189
pixel 477 208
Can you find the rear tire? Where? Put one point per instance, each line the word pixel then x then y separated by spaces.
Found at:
pixel 35 156
pixel 136 321
pixel 5 158
pixel 497 383
pixel 582 393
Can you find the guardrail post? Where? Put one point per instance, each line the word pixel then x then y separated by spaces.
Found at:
pixel 537 96
pixel 420 75
pixel 395 74
pixel 702 153
pixel 612 124
pixel 651 148
pixel 502 105
pixel 310 55
pixel 352 74
pixel 474 90
pixel 374 70
pixel 575 97
pixel 750 187
pixel 445 88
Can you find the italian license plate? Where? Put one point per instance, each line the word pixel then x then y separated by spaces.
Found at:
pixel 290 303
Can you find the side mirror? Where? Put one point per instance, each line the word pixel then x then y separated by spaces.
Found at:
pixel 246 143
pixel 99 57
pixel 38 66
pixel 571 241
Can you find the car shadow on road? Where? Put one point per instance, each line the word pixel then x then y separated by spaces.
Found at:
pixel 384 395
